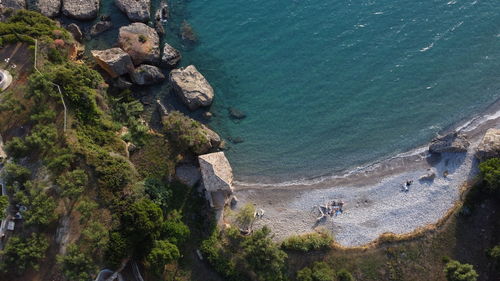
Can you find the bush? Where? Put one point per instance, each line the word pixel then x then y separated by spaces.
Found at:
pixel 118 249
pixel 16 173
pixel 40 207
pixel 186 133
pixel 20 253
pixel 308 242
pixel 174 230
pixel 76 265
pixel 4 204
pixel 163 253
pixel 344 275
pixel 455 271
pixel 490 171
pixel 320 271
pixel 246 216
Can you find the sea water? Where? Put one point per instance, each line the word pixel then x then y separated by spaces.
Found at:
pixel 331 85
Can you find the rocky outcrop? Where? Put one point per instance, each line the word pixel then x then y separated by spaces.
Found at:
pixel 161 15
pixel 453 142
pixel 122 83
pixel 214 139
pixel 147 75
pixel 81 9
pixel 217 178
pixel 489 146
pixel 136 10
pixel 191 87
pixel 187 174
pixel 141 42
pixel 49 8
pixel 75 31
pixel 114 61
pixel 13 4
pixel 236 113
pixel 100 27
pixel 170 56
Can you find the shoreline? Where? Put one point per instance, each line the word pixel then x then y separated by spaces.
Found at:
pixel 374 201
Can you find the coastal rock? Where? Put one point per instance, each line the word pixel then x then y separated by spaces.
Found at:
pixel 114 61
pixel 170 56
pixel 49 8
pixel 147 75
pixel 453 142
pixel 217 178
pixel 100 27
pixel 122 83
pixel 75 31
pixel 213 137
pixel 136 10
pixel 13 4
pixel 81 9
pixel 489 147
pixel 141 42
pixel 160 16
pixel 236 113
pixel 187 174
pixel 192 87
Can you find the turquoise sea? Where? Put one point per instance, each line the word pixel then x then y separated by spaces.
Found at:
pixel 331 85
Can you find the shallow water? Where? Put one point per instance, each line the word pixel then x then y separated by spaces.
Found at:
pixel 330 85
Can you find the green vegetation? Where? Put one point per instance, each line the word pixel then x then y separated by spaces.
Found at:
pixel 76 266
pixel 162 253
pixel 490 171
pixel 320 271
pixel 456 271
pixel 186 133
pixel 142 38
pixel 21 254
pixel 40 206
pixel 245 216
pixel 308 242
pixel 344 275
pixel 4 204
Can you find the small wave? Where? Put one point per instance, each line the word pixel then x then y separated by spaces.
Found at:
pixel 427 48
pixel 452 2
pixel 378 13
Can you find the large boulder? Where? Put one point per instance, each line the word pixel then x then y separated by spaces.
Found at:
pixel 147 75
pixel 213 137
pixel 192 87
pixel 170 56
pixel 13 4
pixel 141 42
pixel 100 27
pixel 187 174
pixel 217 178
pixel 136 10
pixel 453 142
pixel 489 146
pixel 49 8
pixel 81 9
pixel 75 31
pixel 114 61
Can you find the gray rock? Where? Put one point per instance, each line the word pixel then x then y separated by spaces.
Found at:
pixel 170 56
pixel 453 142
pixel 191 87
pixel 141 42
pixel 114 61
pixel 136 10
pixel 81 9
pixel 13 4
pixel 49 8
pixel 100 27
pixel 122 83
pixel 75 31
pixel 188 174
pixel 236 113
pixel 489 147
pixel 161 15
pixel 213 137
pixel 147 75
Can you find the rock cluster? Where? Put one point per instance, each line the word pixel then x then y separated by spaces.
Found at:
pixel 453 142
pixel 489 146
pixel 81 9
pixel 170 56
pixel 192 87
pixel 136 10
pixel 99 27
pixel 49 8
pixel 147 75
pixel 141 42
pixel 13 4
pixel 115 61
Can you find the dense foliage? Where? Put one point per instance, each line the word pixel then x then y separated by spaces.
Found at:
pixel 308 242
pixel 21 254
pixel 456 271
pixel 490 171
pixel 187 133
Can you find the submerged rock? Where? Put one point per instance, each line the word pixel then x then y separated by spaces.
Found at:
pixel 114 61
pixel 75 31
pixel 136 10
pixel 236 113
pixel 489 147
pixel 100 27
pixel 81 9
pixel 49 8
pixel 147 75
pixel 170 56
pixel 13 4
pixel 453 142
pixel 192 87
pixel 141 42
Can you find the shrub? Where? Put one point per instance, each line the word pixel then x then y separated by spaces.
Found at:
pixel 305 274
pixel 16 173
pixel 163 253
pixel 174 230
pixel 118 249
pixel 142 38
pixel 490 171
pixel 246 216
pixel 308 242
pixel 320 271
pixel 456 271
pixel 187 133
pixel 4 204
pixel 344 275
pixel 76 265
pixel 41 207
pixel 21 253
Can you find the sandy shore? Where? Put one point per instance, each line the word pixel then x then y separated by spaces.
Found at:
pixel 373 196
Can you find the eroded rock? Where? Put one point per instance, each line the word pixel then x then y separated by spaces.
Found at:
pixel 75 31
pixel 489 147
pixel 141 42
pixel 147 75
pixel 170 56
pixel 188 174
pixel 136 10
pixel 100 27
pixel 192 87
pixel 114 61
pixel 81 9
pixel 13 4
pixel 453 142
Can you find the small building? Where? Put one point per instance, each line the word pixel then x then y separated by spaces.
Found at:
pixel 217 178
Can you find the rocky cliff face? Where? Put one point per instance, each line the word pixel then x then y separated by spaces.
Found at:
pixel 489 146
pixel 141 42
pixel 192 87
pixel 136 10
pixel 453 142
pixel 81 9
